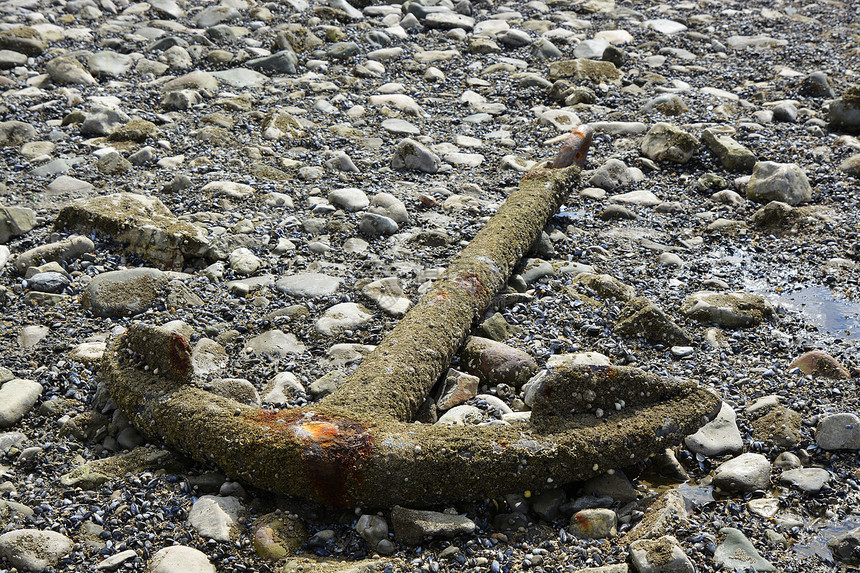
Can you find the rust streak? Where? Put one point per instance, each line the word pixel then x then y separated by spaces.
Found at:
pixel 333 449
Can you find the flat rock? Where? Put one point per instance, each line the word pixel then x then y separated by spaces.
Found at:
pixel 34 549
pixel 810 480
pixel 743 474
pixel 340 317
pixel 580 69
pixel 736 552
pixel 180 559
pixel 124 293
pixel 275 342
pixel 387 294
pixel 17 397
pixel 308 285
pixel 413 526
pixel 838 432
pixel 143 223
pixel 719 436
pixel 216 517
pixel 728 310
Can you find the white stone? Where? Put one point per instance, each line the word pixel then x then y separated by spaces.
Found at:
pixel 216 517
pixel 340 317
pixel 180 559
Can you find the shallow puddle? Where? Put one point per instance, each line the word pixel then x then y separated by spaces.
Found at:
pixel 832 315
pixel 817 544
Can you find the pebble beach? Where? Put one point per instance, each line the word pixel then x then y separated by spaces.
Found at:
pixel 278 183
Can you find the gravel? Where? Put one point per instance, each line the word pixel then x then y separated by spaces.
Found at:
pixel 294 174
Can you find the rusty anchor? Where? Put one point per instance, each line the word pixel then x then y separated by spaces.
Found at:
pixel 359 445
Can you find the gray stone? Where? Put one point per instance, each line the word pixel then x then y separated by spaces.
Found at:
pixel 785 182
pixel 667 104
pixel 388 295
pixel 449 21
pixel 810 480
pixel 596 523
pixel 282 62
pixel 15 133
pixel 180 559
pixel 409 154
pixel 591 49
pixel 244 261
pixel 178 100
pixel 109 63
pixel 413 526
pixel 68 70
pixel 495 363
pixel 349 198
pixel 196 80
pixel 641 317
pixel 733 155
pixel 61 251
pixel 216 517
pixel 838 432
pixel 310 285
pixel 612 175
pixel 717 437
pixel 372 529
pixel 743 474
pixel 22 39
pixel 736 552
pixel 462 415
pixel 167 8
pixel 237 389
pixel 728 310
pixel 103 120
pixel 340 317
pixel 116 561
pixel 662 555
pixel 615 485
pixel 51 282
pixel 34 549
pixel 665 142
pixel 844 546
pixel 389 206
pixel 584 70
pixel 212 15
pixel 32 335
pixel 374 225
pixel 241 78
pixel 15 221
pixel 282 388
pixel 124 293
pixel 536 269
pixel 11 440
pixel 276 343
pixel 17 397
pixel 143 223
pixel 844 111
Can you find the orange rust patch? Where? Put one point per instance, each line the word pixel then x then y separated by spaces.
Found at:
pixel 583 522
pixel 471 283
pixel 179 352
pixel 333 449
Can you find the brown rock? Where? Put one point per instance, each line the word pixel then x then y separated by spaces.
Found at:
pixel 495 363
pixel 820 364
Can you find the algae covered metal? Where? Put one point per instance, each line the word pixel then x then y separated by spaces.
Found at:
pixel 359 446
